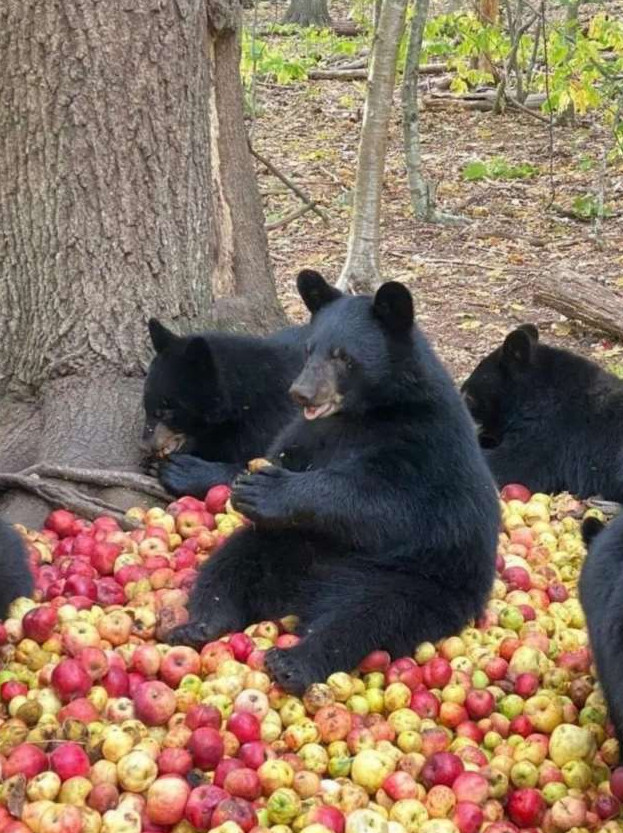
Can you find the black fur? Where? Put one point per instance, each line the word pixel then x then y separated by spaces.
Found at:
pixel 224 396
pixel 601 595
pixel 548 418
pixel 378 526
pixel 15 576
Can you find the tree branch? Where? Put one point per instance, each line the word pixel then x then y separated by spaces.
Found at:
pixel 101 477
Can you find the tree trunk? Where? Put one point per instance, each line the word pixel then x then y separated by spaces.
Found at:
pixel 308 13
pixel 421 191
pixel 489 14
pixel 126 191
pixel 361 271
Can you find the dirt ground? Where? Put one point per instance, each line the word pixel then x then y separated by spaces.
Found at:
pixel 472 283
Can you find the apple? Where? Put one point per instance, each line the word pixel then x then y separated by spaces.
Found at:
pixel 479 704
pixel 177 663
pixel 26 759
pixel 526 807
pixel 243 783
pixel 436 673
pixel 201 804
pixel 616 783
pixel 103 557
pixel 515 491
pixel 330 817
pixel 94 662
pixel 166 800
pixel 202 714
pixel 146 660
pixel 155 703
pixel 425 704
pixel 400 785
pixel 70 680
pixel 238 810
pixel 61 818
pixel 242 645
pixel 109 592
pixel 11 689
pixel 206 746
pixel 468 817
pixel 254 754
pixel 39 623
pixel 245 726
pixel 61 522
pixel 216 498
pixel 69 760
pixel 442 768
pixel 174 761
pixel 80 709
pixel 103 797
pixel 527 684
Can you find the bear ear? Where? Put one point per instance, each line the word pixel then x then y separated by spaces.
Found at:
pixel 161 338
pixel 315 291
pixel 518 347
pixel 531 330
pixel 198 351
pixel 393 306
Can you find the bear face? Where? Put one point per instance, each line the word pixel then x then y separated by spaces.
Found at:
pixel 490 392
pixel 181 397
pixel 353 346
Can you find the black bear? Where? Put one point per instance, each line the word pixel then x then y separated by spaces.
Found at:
pixel 377 524
pixel 601 595
pixel 548 418
pixel 219 398
pixel 15 575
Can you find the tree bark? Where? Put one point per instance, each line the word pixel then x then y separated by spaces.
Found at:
pixel 361 271
pixel 583 299
pixel 308 13
pixel 126 191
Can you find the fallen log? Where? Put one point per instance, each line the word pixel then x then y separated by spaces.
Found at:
pixel 483 101
pixel 356 73
pixel 582 299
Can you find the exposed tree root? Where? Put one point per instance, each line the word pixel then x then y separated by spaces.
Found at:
pixel 88 506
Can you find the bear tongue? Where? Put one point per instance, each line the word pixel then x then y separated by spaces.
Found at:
pixel 318 411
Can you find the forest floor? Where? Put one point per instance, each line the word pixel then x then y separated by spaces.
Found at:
pixel 472 283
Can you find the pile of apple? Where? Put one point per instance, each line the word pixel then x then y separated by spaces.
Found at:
pixel 104 729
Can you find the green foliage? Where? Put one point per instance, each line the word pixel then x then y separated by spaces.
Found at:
pixel 497 168
pixel 287 60
pixel 586 207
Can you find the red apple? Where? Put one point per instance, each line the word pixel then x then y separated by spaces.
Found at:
pixel 109 592
pixel 201 714
pixel 68 760
pixel 526 807
pixel 79 585
pixel 329 816
pixel 11 689
pixel 437 672
pixel 201 804
pixel 39 623
pixel 61 522
pixel 516 578
pixel 245 726
pixel 177 663
pixel 103 797
pixel 479 704
pixel 607 806
pixel 441 768
pixel 27 759
pixel 117 683
pixel 471 786
pixel 94 662
pixel 254 754
pixel 527 684
pixel 425 704
pixel 468 817
pixel 243 783
pixel 206 746
pixel 70 680
pixel 80 709
pixel 103 557
pixel 223 768
pixel 616 783
pixel 174 761
pixel 155 703
pixel 400 785
pixel 241 645
pixel 146 660
pixel 376 661
pixel 216 499
pixel 237 810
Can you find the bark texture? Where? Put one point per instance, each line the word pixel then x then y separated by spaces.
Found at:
pixel 126 191
pixel 308 13
pixel 361 271
pixel 582 299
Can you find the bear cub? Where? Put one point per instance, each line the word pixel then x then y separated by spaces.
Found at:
pixel 15 576
pixel 215 401
pixel 377 522
pixel 601 595
pixel 548 418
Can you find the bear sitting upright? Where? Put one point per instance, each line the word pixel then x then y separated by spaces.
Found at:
pixel 15 576
pixel 548 418
pixel 219 398
pixel 601 595
pixel 377 525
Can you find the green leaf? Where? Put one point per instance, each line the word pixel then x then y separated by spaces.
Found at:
pixel 474 171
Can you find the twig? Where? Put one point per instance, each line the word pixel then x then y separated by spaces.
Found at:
pixel 337 74
pixel 101 477
pixel 294 215
pixel 286 181
pixel 67 498
pixel 608 507
pixel 519 106
pixel 601 188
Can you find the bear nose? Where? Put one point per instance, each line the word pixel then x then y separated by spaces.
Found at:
pixel 302 393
